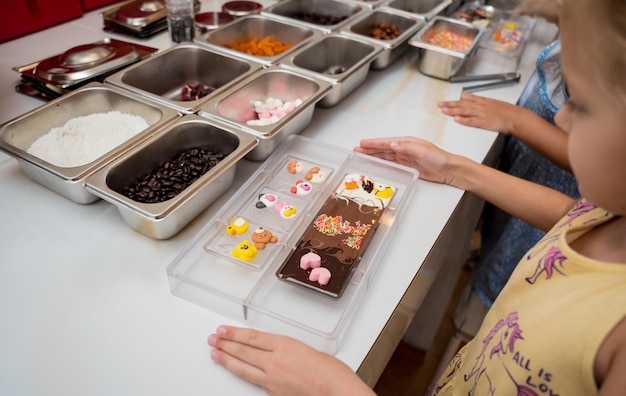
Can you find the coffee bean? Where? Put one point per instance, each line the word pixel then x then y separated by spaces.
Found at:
pixel 173 176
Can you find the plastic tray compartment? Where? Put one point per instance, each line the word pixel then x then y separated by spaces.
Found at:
pixel 504 40
pixel 208 274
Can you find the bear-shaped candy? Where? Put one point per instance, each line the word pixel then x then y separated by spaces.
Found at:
pixel 261 237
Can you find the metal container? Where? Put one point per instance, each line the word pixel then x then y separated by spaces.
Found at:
pixel 341 60
pixel 163 220
pixel 326 15
pixel 371 4
pixel 139 18
pixel 426 9
pixel 17 135
pixel 475 12
pixel 241 8
pixel 59 74
pixel 364 27
pixel 258 27
pixel 439 62
pixel 165 76
pixel 207 21
pixel 236 106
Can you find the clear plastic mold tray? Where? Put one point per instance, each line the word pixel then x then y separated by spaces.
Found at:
pixel 217 271
pixel 504 41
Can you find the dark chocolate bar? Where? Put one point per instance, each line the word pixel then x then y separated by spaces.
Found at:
pixel 334 243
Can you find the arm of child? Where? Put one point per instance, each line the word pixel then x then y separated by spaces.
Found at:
pixel 615 382
pixel 540 206
pixel 523 124
pixel 610 364
pixel 283 365
pixel 547 9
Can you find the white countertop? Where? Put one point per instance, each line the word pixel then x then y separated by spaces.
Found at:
pixel 85 302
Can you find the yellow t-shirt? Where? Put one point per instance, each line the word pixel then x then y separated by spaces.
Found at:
pixel 544 330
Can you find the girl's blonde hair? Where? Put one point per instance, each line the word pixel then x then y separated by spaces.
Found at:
pixel 602 24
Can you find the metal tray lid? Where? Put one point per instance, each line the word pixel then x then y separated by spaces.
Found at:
pixel 137 13
pixel 86 61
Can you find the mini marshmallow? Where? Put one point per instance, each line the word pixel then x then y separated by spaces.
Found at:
pixel 320 275
pixel 288 106
pixel 272 110
pixel 310 260
pixel 280 113
pixel 258 106
pixel 274 102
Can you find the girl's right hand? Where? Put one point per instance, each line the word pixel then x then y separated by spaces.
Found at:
pixel 433 163
pixel 480 112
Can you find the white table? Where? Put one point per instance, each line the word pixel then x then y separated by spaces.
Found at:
pixel 85 303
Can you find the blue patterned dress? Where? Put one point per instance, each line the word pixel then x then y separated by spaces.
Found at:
pixel 505 239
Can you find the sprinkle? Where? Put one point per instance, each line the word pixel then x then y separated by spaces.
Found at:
pixel 451 41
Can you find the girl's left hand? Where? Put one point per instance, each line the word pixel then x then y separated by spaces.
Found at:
pixel 283 365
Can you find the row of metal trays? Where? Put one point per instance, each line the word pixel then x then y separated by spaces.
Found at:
pixel 201 88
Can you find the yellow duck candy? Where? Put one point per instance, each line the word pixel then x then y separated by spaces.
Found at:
pixel 238 226
pixel 245 251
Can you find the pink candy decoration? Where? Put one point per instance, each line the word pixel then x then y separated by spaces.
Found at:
pixel 310 260
pixel 320 275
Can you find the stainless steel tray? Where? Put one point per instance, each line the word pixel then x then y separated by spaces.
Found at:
pixel 82 64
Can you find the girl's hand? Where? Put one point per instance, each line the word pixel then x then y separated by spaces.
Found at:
pixel 481 112
pixel 283 365
pixel 433 163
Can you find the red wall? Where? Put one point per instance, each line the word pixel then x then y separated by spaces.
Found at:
pixel 93 4
pixel 21 17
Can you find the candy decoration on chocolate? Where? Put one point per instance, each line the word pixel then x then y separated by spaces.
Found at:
pixel 261 237
pixel 266 201
pixel 351 184
pixel 238 226
pixel 301 188
pixel 294 167
pixel 367 184
pixel 310 260
pixel 245 251
pixel 339 234
pixel 335 225
pixel 383 191
pixel 320 275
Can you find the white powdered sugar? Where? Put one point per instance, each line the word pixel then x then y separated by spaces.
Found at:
pixel 86 138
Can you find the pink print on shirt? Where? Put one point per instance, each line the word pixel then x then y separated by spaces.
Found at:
pixel 496 345
pixel 550 262
pixel 553 259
